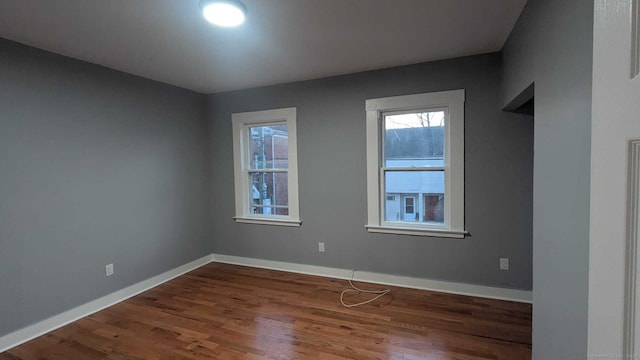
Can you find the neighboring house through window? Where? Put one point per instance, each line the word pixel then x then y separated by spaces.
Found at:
pixel 265 164
pixel 415 164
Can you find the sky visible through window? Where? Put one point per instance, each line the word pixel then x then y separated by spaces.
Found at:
pixel 421 119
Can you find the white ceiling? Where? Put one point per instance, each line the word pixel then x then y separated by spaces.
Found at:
pixel 282 40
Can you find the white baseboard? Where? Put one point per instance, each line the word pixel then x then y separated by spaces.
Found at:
pixel 33 331
pixel 377 278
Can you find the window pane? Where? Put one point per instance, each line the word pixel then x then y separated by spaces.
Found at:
pixel 414 139
pixel 269 193
pixel 269 147
pixel 414 196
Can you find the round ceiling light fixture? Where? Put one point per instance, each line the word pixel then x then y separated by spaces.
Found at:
pixel 225 13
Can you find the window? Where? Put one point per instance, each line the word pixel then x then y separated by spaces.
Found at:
pixel 415 164
pixel 265 164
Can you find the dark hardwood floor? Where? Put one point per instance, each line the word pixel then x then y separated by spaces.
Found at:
pixel 224 311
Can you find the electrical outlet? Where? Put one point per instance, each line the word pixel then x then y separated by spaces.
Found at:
pixel 109 269
pixel 504 263
pixel 321 247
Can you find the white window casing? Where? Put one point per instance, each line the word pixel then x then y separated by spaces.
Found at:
pixel 453 103
pixel 241 159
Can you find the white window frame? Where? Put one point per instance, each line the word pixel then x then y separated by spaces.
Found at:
pixel 241 159
pixel 453 102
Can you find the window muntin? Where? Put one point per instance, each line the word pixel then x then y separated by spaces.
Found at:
pixel 415 164
pixel 266 167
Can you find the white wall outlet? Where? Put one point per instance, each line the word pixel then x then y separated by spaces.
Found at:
pixel 108 269
pixel 321 247
pixel 504 263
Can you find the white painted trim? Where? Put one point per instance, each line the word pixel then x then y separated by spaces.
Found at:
pixel 373 165
pixel 635 38
pixel 459 234
pixel 268 221
pixel 33 331
pixel 240 123
pixel 633 212
pixel 453 101
pixel 523 296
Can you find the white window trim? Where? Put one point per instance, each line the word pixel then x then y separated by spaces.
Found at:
pixel 454 168
pixel 241 123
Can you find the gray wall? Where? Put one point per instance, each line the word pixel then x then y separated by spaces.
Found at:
pixel 332 178
pixel 551 45
pixel 96 167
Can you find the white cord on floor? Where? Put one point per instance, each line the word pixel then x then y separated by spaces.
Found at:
pixel 354 288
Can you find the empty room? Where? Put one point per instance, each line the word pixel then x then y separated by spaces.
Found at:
pixel 319 179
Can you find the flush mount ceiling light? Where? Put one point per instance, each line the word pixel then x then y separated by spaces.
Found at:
pixel 223 12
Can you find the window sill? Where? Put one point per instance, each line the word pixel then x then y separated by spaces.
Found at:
pixel 265 221
pixel 459 234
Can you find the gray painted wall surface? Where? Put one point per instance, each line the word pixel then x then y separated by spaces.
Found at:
pixel 96 167
pixel 552 45
pixel 332 178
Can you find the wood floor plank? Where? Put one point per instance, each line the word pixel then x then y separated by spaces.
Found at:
pixel 222 311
